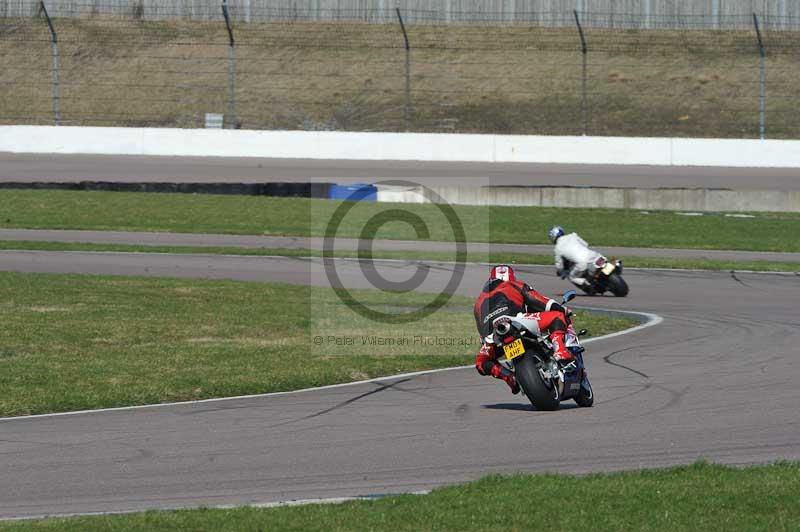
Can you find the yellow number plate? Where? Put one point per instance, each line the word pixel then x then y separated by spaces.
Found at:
pixel 514 349
pixel 608 268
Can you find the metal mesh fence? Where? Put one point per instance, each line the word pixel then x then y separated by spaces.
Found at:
pixel 361 74
pixel 722 14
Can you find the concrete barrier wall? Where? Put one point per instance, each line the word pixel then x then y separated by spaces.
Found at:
pixel 400 146
pixel 694 200
pixel 584 150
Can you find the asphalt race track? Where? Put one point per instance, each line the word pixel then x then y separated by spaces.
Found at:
pixel 716 380
pixel 142 169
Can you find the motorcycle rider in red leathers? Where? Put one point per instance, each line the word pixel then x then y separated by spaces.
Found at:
pixel 503 295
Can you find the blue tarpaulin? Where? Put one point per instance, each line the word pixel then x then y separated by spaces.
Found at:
pixel 354 192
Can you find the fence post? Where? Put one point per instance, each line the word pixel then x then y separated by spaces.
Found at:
pixel 782 13
pixel 231 67
pixel 715 16
pixel 56 65
pixel 584 109
pixel 762 97
pixel 407 114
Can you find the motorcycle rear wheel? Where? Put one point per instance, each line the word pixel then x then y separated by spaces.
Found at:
pixel 542 396
pixel 617 285
pixel 585 397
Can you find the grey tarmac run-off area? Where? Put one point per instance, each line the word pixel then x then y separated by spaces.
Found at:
pixel 142 169
pixel 716 380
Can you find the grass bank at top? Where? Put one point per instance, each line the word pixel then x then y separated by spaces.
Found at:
pixel 697 497
pixel 71 342
pixel 48 209
pixel 510 78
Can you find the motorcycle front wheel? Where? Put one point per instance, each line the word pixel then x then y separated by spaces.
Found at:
pixel 617 285
pixel 543 395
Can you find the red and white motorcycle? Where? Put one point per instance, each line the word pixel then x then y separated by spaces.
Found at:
pixel 543 379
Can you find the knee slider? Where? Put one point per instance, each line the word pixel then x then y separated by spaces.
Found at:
pixel 486 367
pixel 558 325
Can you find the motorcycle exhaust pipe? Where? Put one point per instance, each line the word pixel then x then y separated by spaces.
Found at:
pixel 502 328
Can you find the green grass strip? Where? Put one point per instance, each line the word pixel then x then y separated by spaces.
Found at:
pixel 190 213
pixel 73 342
pixel 509 258
pixel 689 498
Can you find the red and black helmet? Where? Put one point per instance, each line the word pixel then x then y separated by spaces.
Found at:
pixel 503 272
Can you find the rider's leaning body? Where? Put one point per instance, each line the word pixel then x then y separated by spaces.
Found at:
pixel 503 295
pixel 573 258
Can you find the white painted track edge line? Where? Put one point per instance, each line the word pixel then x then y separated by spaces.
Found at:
pixel 275 504
pixel 652 320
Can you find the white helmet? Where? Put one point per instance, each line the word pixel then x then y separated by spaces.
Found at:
pixel 555 233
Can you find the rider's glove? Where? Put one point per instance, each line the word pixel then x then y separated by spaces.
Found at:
pixel 568 313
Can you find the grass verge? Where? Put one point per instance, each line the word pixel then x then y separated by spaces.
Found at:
pixel 697 497
pixel 507 258
pixel 123 211
pixel 71 342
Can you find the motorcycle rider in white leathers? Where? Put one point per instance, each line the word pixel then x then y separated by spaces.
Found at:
pixel 575 250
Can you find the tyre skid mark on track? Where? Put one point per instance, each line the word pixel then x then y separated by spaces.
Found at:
pixel 767 362
pixel 675 397
pixel 381 387
pixel 641 388
pixel 651 321
pixel 735 278
pixel 607 360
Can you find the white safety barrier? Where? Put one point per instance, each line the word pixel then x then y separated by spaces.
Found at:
pixel 670 199
pixel 400 146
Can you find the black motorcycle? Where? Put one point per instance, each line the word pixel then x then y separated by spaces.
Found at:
pixel 607 277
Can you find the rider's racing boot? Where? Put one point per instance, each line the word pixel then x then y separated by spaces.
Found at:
pixel 584 284
pixel 560 350
pixel 499 372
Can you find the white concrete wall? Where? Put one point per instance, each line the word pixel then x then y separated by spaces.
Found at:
pixel 400 146
pixel 702 200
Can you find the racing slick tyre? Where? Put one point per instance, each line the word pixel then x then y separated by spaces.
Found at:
pixel 544 396
pixel 617 285
pixel 585 397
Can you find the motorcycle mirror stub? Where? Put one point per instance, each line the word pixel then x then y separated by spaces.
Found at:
pixel 569 295
pixel 582 332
